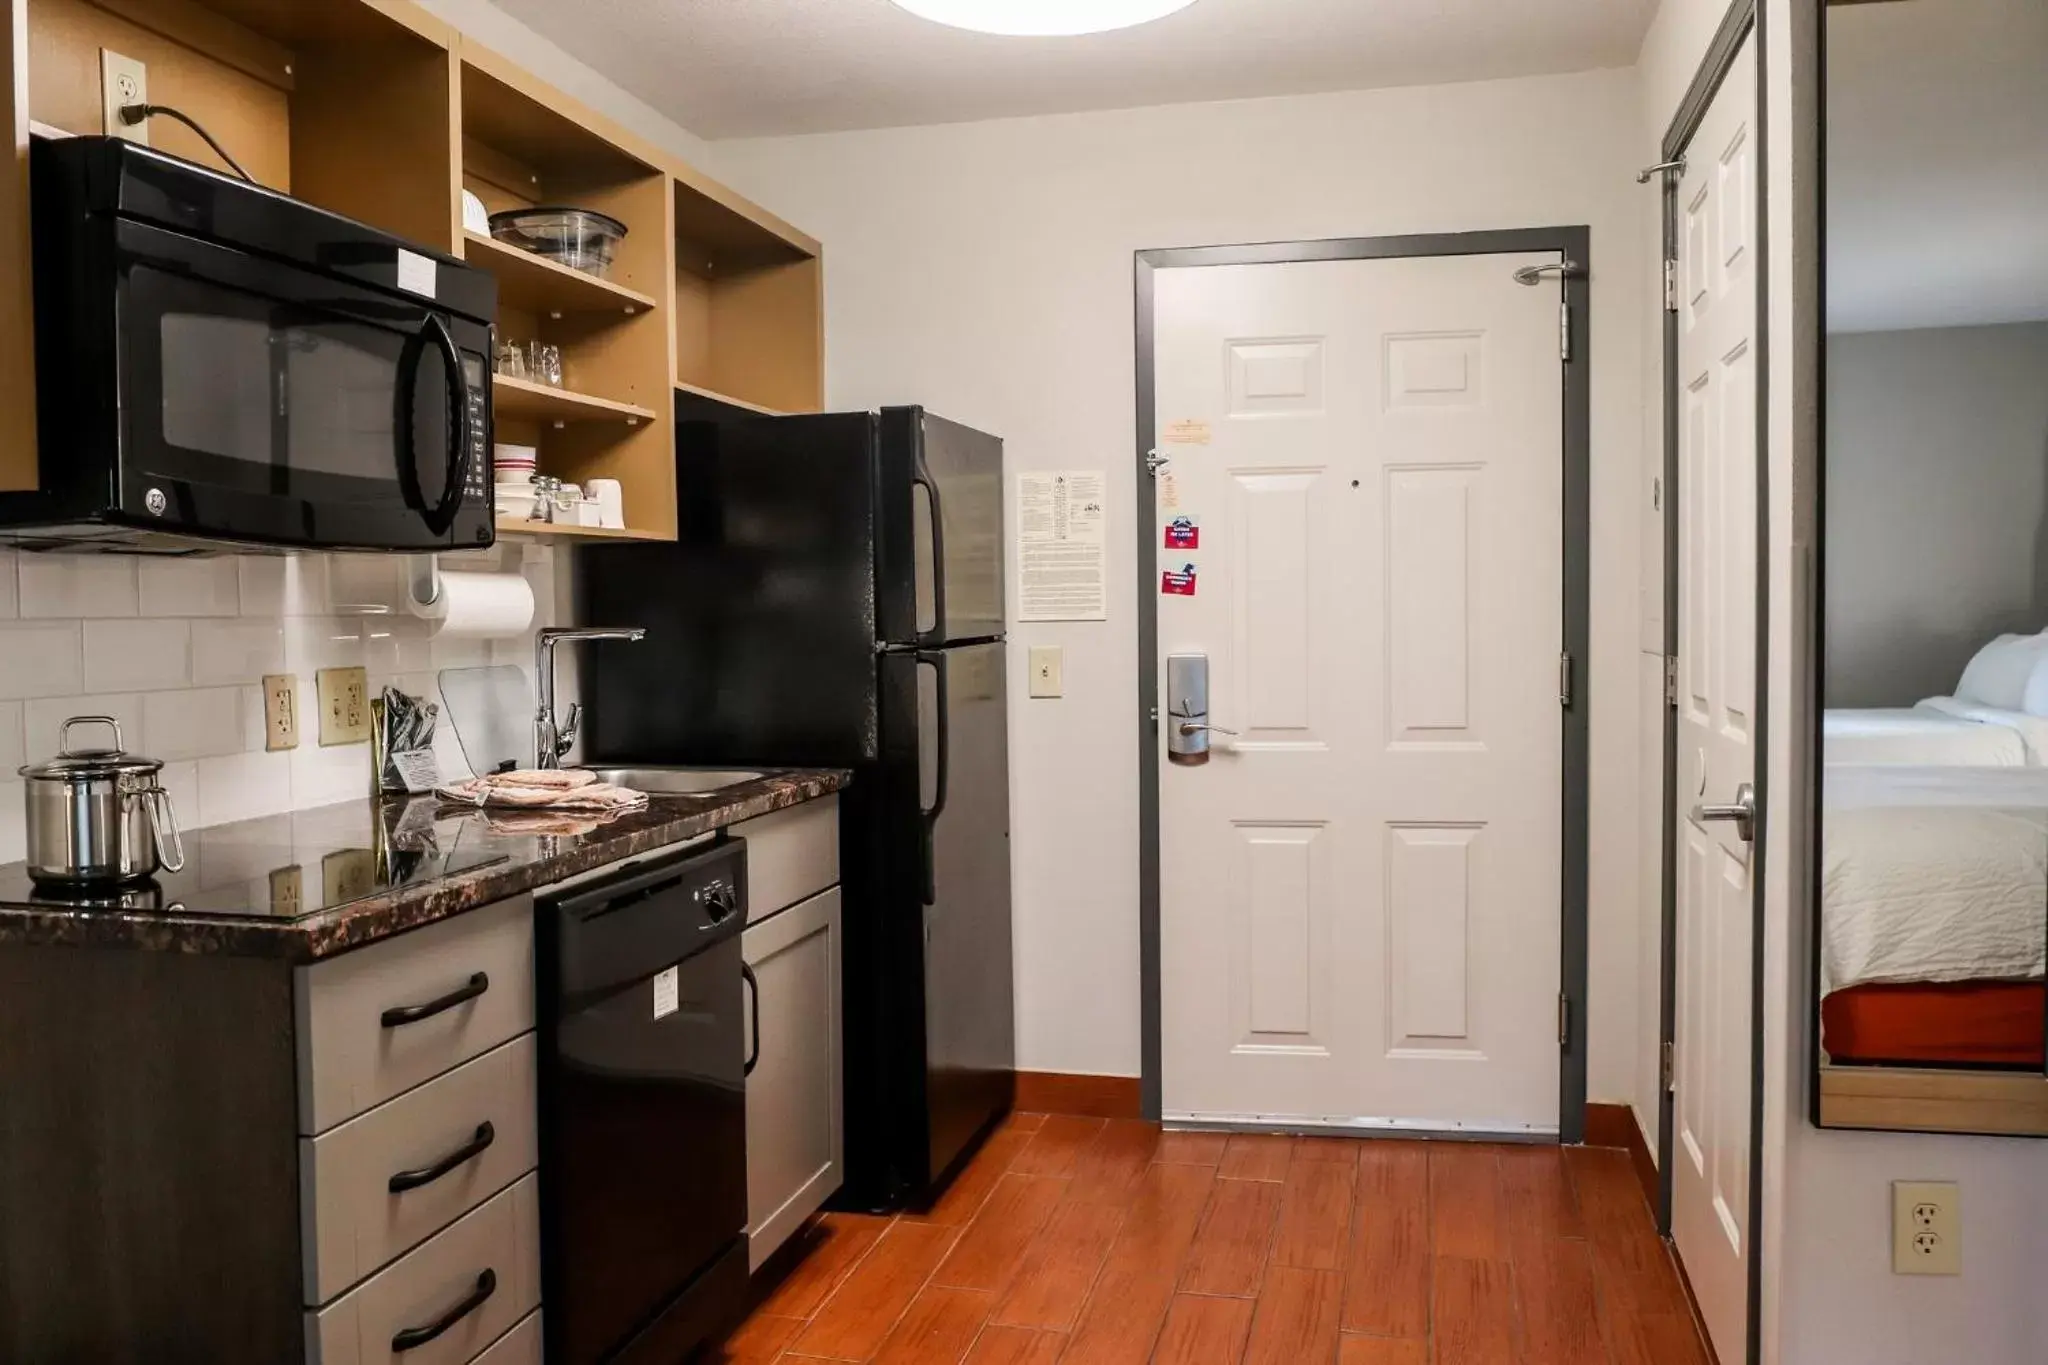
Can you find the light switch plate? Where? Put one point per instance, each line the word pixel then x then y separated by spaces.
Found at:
pixel 1927 1227
pixel 1048 667
pixel 344 705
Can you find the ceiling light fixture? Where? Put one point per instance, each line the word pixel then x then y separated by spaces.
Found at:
pixel 1042 18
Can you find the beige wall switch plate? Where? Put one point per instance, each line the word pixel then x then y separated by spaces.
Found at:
pixel 123 81
pixel 1048 666
pixel 287 891
pixel 1927 1227
pixel 344 705
pixel 280 711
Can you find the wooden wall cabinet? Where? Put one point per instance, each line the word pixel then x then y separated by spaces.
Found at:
pixel 375 109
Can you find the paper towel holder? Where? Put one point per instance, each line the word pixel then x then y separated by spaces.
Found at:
pixel 424 580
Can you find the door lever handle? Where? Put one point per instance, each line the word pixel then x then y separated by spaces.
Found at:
pixel 1741 811
pixel 1188 727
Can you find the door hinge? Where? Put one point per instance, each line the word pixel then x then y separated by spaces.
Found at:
pixel 1670 1065
pixel 1564 679
pixel 1671 680
pixel 1564 1021
pixel 1670 286
pixel 1564 332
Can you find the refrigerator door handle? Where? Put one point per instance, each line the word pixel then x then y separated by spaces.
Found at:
pixel 943 776
pixel 921 476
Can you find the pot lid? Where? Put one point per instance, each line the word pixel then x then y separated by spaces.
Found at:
pixel 73 763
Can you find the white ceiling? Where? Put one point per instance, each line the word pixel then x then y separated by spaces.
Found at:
pixel 740 68
pixel 1937 164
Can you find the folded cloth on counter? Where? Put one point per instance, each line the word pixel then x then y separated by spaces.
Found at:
pixel 550 789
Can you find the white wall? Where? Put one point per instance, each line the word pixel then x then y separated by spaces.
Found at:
pixel 985 271
pixel 1937 438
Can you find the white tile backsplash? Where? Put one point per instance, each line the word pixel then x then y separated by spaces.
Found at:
pixel 58 586
pixel 191 587
pixel 262 583
pixel 12 755
pixel 199 723
pixel 40 659
pixel 137 655
pixel 241 650
pixel 176 649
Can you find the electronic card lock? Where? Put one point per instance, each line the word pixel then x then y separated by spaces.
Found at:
pixel 1187 709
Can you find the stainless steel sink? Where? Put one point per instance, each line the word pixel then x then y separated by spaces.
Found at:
pixel 676 781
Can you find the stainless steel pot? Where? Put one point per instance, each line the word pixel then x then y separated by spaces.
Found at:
pixel 99 816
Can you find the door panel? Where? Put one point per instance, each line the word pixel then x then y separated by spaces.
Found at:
pixel 1360 890
pixel 1717 586
pixel 970 1028
pixel 795 1132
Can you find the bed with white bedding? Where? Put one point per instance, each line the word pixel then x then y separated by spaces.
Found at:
pixel 1998 717
pixel 1933 875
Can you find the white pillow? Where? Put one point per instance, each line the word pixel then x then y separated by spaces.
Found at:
pixel 2001 671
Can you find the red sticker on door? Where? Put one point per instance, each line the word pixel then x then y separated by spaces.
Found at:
pixel 1178 582
pixel 1184 533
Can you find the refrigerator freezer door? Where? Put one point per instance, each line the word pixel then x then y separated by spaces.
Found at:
pixel 939 560
pixel 970 1026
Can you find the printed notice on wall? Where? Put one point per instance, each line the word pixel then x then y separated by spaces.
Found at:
pixel 1063 571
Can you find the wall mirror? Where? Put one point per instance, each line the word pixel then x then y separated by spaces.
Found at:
pixel 1932 869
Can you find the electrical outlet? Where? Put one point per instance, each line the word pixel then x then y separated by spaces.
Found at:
pixel 1048 665
pixel 1927 1228
pixel 280 711
pixel 344 705
pixel 123 81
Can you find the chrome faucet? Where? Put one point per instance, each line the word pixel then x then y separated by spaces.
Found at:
pixel 552 739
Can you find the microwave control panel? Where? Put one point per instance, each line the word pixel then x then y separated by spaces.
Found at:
pixel 477 487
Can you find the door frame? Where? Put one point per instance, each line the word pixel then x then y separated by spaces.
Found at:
pixel 1744 19
pixel 1574 245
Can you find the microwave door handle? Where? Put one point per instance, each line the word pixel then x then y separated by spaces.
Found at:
pixel 433 332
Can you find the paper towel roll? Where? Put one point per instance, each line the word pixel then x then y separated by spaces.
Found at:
pixel 479 606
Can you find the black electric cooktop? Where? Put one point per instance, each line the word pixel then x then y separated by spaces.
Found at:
pixel 285 867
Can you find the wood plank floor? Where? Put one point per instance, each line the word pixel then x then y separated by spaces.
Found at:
pixel 1074 1241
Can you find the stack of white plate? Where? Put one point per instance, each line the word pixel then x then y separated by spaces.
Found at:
pixel 514 472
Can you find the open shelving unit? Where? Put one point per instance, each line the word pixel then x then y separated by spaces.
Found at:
pixel 378 110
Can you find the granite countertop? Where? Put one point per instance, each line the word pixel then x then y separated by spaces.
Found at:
pixel 314 883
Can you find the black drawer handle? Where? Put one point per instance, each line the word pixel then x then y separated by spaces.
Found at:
pixel 398 1016
pixel 412 1338
pixel 427 1175
pixel 754 986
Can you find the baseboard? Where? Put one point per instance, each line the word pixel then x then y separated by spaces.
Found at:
pixel 1095 1097
pixel 1614 1125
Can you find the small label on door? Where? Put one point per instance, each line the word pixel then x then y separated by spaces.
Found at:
pixel 667 993
pixel 1169 490
pixel 1188 431
pixel 1184 532
pixel 1178 582
pixel 417 274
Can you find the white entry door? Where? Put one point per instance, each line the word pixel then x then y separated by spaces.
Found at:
pixel 1716 701
pixel 1360 891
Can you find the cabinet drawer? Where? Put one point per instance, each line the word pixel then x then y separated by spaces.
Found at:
pixel 381 1020
pixel 791 855
pixel 520 1346
pixel 354 1221
pixel 497 1247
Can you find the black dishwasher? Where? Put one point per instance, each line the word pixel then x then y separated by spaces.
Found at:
pixel 644 1055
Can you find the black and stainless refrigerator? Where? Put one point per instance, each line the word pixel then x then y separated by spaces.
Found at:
pixel 835 599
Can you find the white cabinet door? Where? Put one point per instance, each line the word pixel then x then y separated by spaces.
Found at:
pixel 795 1134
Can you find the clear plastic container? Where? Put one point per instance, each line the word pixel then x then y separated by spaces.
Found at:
pixel 581 239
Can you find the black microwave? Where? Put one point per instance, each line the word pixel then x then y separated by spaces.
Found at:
pixel 219 362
